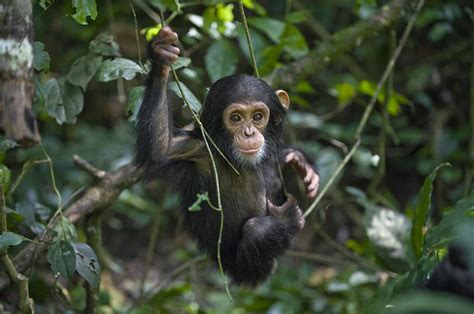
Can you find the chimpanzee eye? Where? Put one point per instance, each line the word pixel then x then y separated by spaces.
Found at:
pixel 258 116
pixel 235 118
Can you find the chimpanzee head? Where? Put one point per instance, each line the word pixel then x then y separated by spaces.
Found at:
pixel 243 115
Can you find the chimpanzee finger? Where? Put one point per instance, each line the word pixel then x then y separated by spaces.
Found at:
pixel 171 49
pixel 290 157
pixel 167 57
pixel 314 182
pixel 166 37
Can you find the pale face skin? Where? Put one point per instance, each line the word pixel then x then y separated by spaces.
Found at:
pixel 247 122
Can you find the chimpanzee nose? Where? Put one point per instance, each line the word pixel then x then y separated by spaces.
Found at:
pixel 249 131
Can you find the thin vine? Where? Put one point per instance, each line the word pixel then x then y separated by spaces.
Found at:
pixel 368 110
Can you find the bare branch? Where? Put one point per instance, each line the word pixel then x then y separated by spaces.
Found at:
pixel 98 195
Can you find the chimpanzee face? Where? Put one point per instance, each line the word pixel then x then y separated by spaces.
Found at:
pixel 246 122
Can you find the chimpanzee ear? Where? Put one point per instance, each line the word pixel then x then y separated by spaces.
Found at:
pixel 284 98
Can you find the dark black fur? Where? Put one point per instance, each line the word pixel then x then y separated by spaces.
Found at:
pixel 453 275
pixel 252 239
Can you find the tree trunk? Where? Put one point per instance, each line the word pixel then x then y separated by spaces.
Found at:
pixel 17 120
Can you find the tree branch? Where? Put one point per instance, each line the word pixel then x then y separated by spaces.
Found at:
pixel 336 45
pixel 100 194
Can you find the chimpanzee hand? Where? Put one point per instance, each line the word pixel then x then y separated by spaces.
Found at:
pixel 160 48
pixel 305 171
pixel 289 213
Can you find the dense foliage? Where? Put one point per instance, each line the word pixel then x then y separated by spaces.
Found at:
pixel 373 240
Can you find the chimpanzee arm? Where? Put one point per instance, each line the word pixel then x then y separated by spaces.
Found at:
pixel 263 240
pixel 304 167
pixel 157 138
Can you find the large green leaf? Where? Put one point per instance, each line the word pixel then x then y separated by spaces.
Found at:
pixel 221 59
pixel 8 239
pixel 83 69
pixel 192 100
pixel 65 229
pixel 41 58
pixel 118 67
pixel 64 101
pixel 293 42
pixel 271 27
pixel 134 101
pixel 62 258
pixel 87 264
pixel 84 9
pixel 421 212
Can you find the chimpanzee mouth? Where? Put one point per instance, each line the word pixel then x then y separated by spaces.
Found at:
pixel 252 151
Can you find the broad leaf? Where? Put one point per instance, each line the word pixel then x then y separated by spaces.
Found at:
pixel 53 101
pixel 104 45
pixel 421 212
pixel 293 42
pixel 65 229
pixel 87 264
pixel 119 67
pixel 192 100
pixel 271 27
pixel 8 239
pixel 62 258
pixel 72 100
pixel 221 59
pixel 7 144
pixel 84 9
pixel 41 58
pixel 83 69
pixel 134 101
pixel 182 62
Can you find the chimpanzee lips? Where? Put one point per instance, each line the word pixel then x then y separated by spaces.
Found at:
pixel 251 151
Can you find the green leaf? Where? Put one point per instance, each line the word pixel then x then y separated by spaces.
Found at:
pixel 53 100
pixel 118 67
pixel 269 59
pixel 8 239
pixel 182 62
pixel 192 100
pixel 65 229
pixel 62 258
pixel 7 144
pixel 271 27
pixel 5 177
pixel 225 12
pixel 72 100
pixel 293 42
pixel 45 3
pixel 151 32
pixel 84 9
pixel 83 69
pixel 104 45
pixel 447 228
pixel 41 58
pixel 87 264
pixel 439 31
pixel 259 42
pixel 221 59
pixel 196 206
pixel 344 92
pixel 134 101
pixel 163 5
pixel 421 212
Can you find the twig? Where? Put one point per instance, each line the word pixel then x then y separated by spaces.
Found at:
pixel 249 40
pixel 369 108
pixel 150 250
pixel 87 167
pixel 470 170
pixel 136 34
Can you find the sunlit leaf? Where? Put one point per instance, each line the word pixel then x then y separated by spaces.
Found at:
pixel 344 92
pixel 225 12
